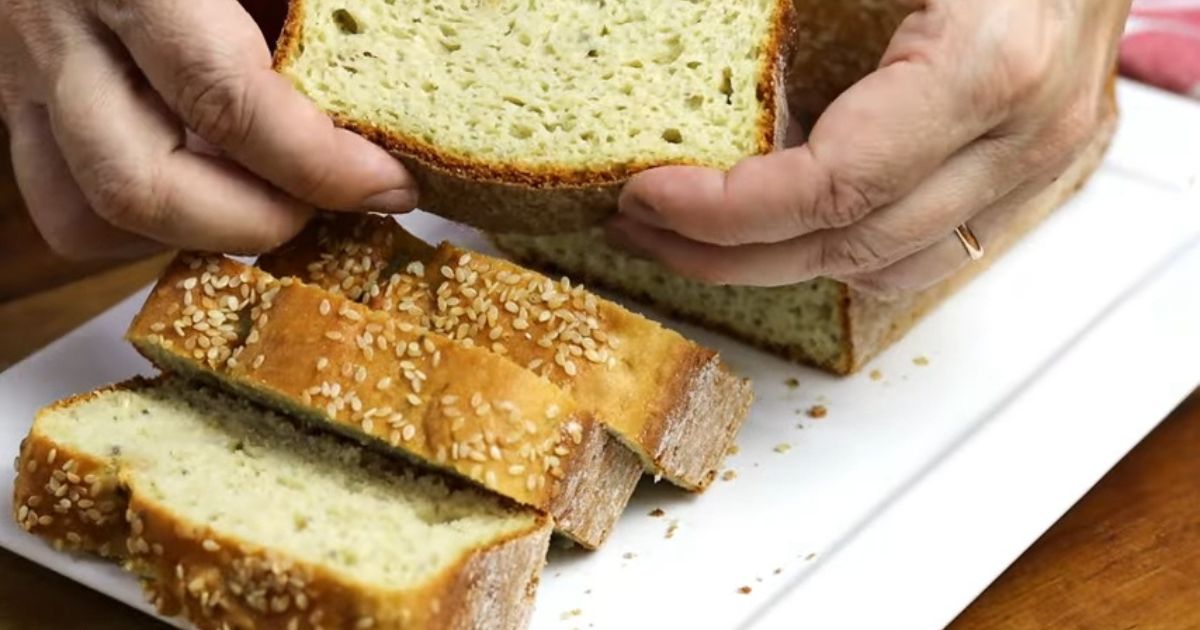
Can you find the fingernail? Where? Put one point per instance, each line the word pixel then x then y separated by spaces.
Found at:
pixel 398 200
pixel 618 231
pixel 634 207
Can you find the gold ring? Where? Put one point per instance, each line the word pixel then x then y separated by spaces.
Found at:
pixel 969 241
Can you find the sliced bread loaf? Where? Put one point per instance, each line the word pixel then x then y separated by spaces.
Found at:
pixel 822 323
pixel 668 399
pixel 326 359
pixel 529 116
pixel 235 518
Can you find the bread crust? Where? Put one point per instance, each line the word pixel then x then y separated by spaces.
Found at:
pixel 668 399
pixel 493 195
pixel 218 582
pixel 420 396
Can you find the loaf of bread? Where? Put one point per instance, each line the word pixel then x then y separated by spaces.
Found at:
pixel 822 323
pixel 529 116
pixel 405 390
pixel 668 399
pixel 236 518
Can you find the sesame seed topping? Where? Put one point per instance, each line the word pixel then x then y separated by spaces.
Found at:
pixel 210 545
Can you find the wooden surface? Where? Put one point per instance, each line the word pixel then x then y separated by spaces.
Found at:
pixel 1127 556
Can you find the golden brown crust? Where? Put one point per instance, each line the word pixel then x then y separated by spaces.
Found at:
pixel 219 582
pixel 380 380
pixel 657 390
pixel 494 195
pixel 71 499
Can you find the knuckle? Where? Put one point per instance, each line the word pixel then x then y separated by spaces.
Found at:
pixel 126 195
pixel 217 106
pixel 1023 67
pixel 843 202
pixel 850 254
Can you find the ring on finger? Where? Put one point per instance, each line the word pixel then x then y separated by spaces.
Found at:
pixel 969 241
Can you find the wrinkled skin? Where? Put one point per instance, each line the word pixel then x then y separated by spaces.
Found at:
pixel 976 106
pixel 141 123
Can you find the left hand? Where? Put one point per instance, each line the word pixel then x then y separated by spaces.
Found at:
pixel 976 107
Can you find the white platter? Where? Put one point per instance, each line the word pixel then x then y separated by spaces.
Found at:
pixel 918 488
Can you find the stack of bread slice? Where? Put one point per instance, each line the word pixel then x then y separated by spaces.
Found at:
pixel 350 434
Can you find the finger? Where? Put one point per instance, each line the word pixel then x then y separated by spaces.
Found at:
pixel 128 155
pixel 873 145
pixel 996 227
pixel 973 179
pixel 209 61
pixel 57 206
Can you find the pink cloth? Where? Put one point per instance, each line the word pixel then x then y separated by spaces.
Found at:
pixel 1162 45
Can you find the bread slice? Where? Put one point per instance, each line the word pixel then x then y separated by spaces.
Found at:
pixel 529 116
pixel 821 323
pixel 668 399
pixel 326 359
pixel 235 518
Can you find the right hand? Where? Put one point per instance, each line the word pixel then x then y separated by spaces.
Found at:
pixel 141 123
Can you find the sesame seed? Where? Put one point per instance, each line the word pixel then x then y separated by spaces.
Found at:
pixel 322 363
pixel 408 432
pixel 258 361
pixel 210 545
pixel 414 400
pixel 333 335
pixel 325 307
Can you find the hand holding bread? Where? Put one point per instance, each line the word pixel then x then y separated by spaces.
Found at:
pixel 975 108
pixel 143 122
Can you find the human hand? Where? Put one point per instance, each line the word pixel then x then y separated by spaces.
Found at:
pixel 140 122
pixel 975 108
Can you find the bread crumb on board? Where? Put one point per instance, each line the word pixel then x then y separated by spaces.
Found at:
pixel 921 361
pixel 732 450
pixel 810 556
pixel 876 375
pixel 817 412
pixel 671 529
pixel 783 448
pixel 745 590
pixel 778 570
pixel 657 512
pixel 792 382
pixel 729 475
pixel 574 612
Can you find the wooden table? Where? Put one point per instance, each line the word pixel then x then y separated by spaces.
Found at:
pixel 1127 556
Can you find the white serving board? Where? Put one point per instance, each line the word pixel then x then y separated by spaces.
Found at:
pixel 918 488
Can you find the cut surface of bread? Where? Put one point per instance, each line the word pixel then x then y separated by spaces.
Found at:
pixel 402 389
pixel 668 399
pixel 565 98
pixel 232 515
pixel 822 322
